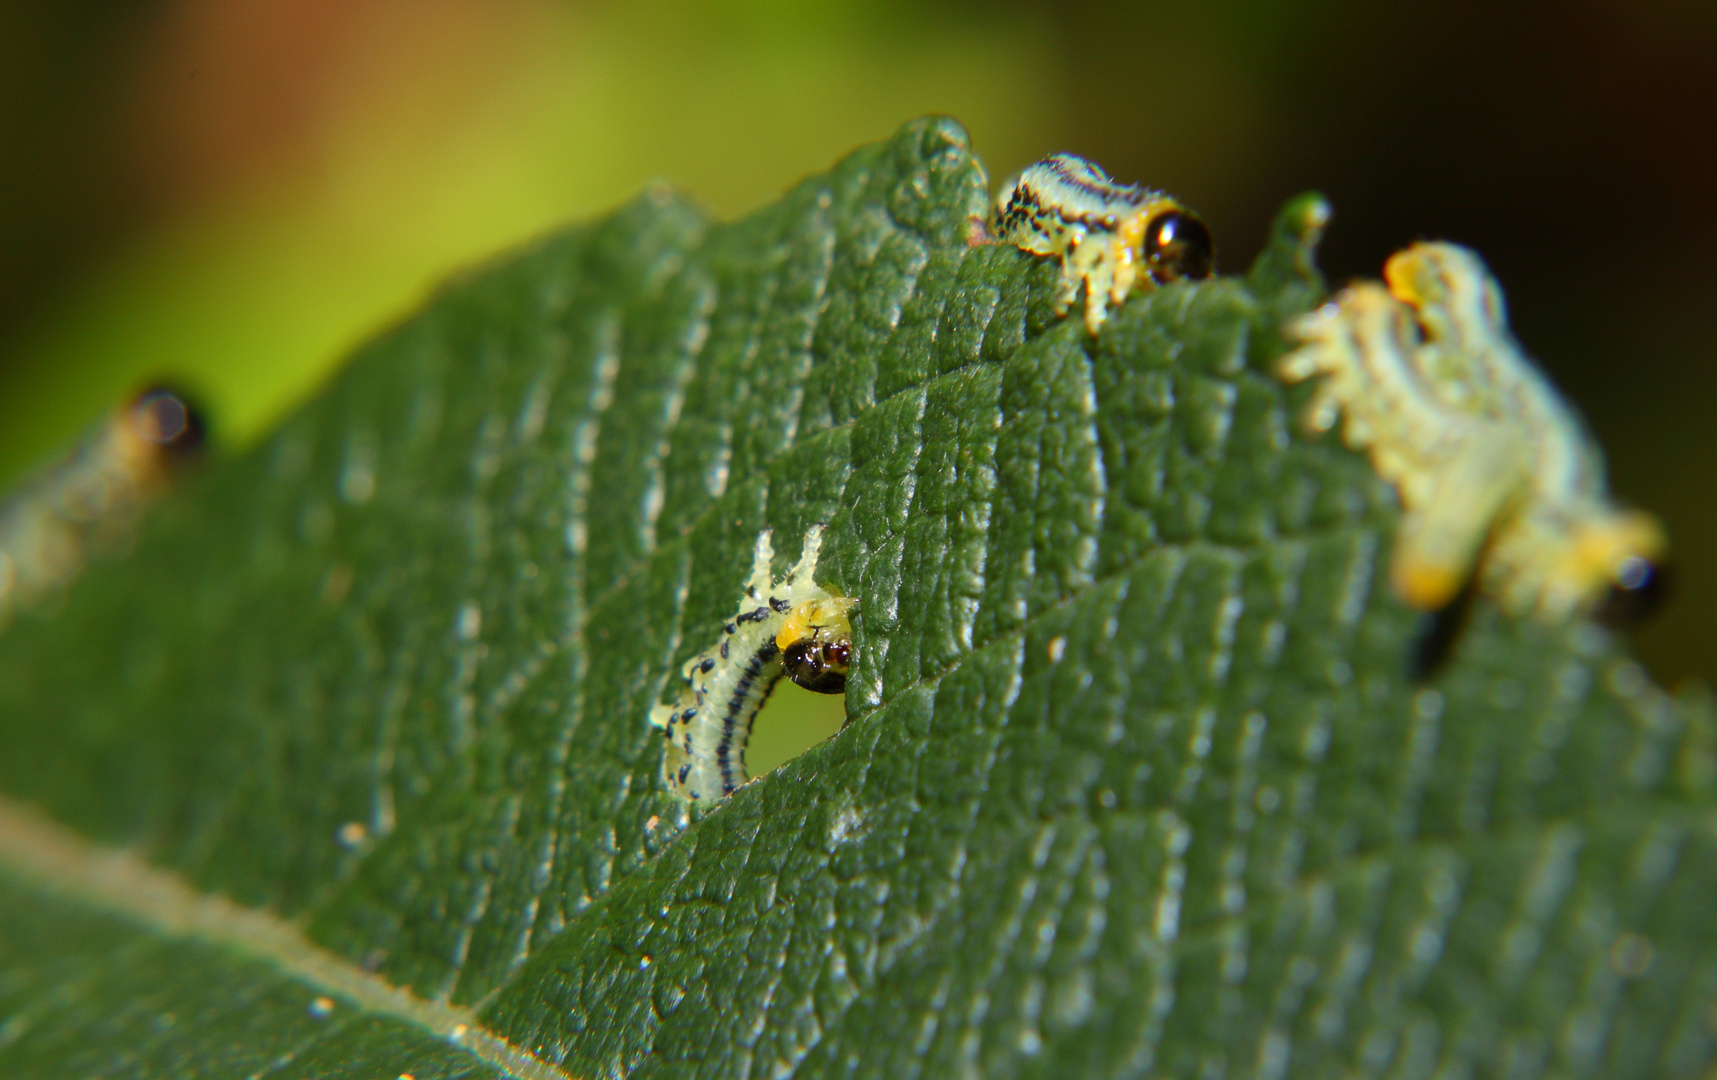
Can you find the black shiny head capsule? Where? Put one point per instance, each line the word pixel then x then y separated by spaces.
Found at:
pixel 818 666
pixel 1177 246
pixel 166 419
pixel 1638 590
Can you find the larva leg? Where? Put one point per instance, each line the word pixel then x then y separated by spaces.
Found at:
pixel 1068 287
pixel 1123 268
pixel 1438 544
pixel 1090 264
pixel 1439 632
pixel 792 627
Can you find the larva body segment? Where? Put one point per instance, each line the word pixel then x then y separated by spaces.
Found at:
pixel 1108 237
pixel 1496 475
pixel 794 628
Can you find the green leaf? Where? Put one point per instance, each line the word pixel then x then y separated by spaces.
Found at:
pixel 1133 783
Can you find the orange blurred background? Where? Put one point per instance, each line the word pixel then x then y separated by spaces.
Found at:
pixel 233 192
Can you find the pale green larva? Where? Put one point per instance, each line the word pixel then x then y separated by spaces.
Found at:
pixel 89 499
pixel 793 628
pixel 1108 237
pixel 1499 483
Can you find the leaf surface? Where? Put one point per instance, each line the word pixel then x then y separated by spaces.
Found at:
pixel 1134 782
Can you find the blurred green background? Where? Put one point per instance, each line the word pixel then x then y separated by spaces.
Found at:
pixel 233 192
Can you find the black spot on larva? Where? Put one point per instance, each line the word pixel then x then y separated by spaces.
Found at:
pixel 780 605
pixel 708 665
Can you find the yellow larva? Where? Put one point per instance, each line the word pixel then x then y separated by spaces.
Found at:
pixel 90 498
pixel 794 628
pixel 1495 474
pixel 1109 237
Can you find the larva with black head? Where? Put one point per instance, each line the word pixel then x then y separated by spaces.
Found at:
pixel 793 628
pixel 1111 238
pixel 88 500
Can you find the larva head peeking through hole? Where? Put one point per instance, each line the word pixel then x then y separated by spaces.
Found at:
pixel 792 627
pixel 816 644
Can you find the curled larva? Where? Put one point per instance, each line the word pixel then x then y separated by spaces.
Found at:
pixel 1109 237
pixel 1499 483
pixel 89 498
pixel 794 628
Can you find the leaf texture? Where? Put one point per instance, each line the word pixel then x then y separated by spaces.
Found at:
pixel 1134 782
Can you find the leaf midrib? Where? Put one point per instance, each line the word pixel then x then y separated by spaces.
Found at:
pixel 45 852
